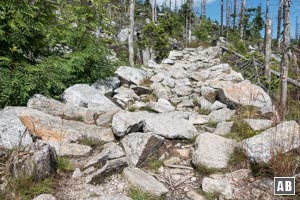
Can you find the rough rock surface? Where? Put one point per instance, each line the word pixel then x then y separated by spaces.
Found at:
pixel 140 146
pixel 221 115
pixel 280 139
pixel 70 149
pixel 132 75
pixel 107 85
pixel 37 161
pixel 45 197
pixel 89 97
pixel 12 132
pixel 148 183
pixel 259 124
pixel 212 151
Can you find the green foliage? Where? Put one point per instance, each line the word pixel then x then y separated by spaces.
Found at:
pixel 27 188
pixel 171 24
pixel 154 36
pixel 44 52
pixel 91 142
pixel 202 30
pixel 64 165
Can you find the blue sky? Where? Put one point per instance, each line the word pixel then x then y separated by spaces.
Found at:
pixel 213 10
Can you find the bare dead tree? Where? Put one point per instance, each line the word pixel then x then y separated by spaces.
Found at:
pixel 279 19
pixel 234 13
pixel 227 19
pixel 285 58
pixel 297 30
pixel 131 33
pixel 222 17
pixel 204 9
pixel 154 11
pixel 268 45
pixel 242 25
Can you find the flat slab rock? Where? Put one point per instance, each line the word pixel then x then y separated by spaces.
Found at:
pixel 221 115
pixel 259 124
pixel 12 130
pixel 144 181
pixel 140 146
pixel 212 151
pixel 70 149
pixel 53 128
pixel 280 139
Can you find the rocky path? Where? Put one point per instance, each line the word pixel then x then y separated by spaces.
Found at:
pixel 166 129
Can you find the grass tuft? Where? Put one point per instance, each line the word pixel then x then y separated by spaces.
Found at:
pixel 65 165
pixel 137 194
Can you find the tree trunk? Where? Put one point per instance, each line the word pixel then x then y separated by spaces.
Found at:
pixel 222 17
pixel 204 9
pixel 154 12
pixel 297 31
pixel 234 13
pixel 227 19
pixel 268 43
pixel 279 19
pixel 285 59
pixel 131 33
pixel 242 25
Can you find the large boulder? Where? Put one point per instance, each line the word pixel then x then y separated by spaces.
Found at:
pixel 110 151
pixel 48 127
pixel 108 85
pixel 38 161
pixel 57 108
pixel 280 139
pixel 122 36
pixel 245 94
pixel 89 97
pixel 144 181
pixel 12 132
pixel 212 151
pixel 140 146
pixel 161 106
pixel 132 75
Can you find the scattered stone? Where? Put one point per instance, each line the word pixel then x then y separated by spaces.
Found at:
pixel 223 128
pixel 183 90
pixel 77 173
pixel 104 119
pixel 193 195
pixel 12 132
pixel 178 74
pixel 172 161
pixel 45 197
pixel 107 85
pixel 175 55
pixel 89 97
pixel 212 151
pixel 70 149
pixel 123 35
pixel 209 93
pixel 217 105
pixel 280 139
pixel 161 106
pixel 144 181
pixel 140 90
pixel 211 185
pixel 37 160
pixel 197 119
pixel 259 124
pixel 110 167
pixel 110 151
pixel 140 146
pixel 124 96
pixel 168 61
pixel 115 197
pixel 160 91
pixel 131 75
pixel 204 104
pixel 169 82
pixel 221 115
pixel 183 82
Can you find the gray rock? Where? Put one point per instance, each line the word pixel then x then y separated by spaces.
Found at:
pixel 140 90
pixel 169 82
pixel 197 119
pixel 89 97
pixel 77 173
pixel 183 90
pixel 48 127
pixel 107 85
pixel 182 82
pixel 110 167
pixel 125 122
pixel 110 151
pixel 259 124
pixel 280 139
pixel 70 149
pixel 221 115
pixel 245 94
pixel 12 131
pixel 57 108
pixel 144 181
pixel 161 106
pixel 124 96
pixel 115 197
pixel 200 76
pixel 212 151
pixel 45 197
pixel 140 146
pixel 175 55
pixel 37 160
pixel 104 119
pixel 132 75
pixel 123 35
pixel 223 128
pixel 179 74
pixel 217 105
pixel 161 91
pixel 170 126
pixel 211 185
pixel 204 104
pixel 168 61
